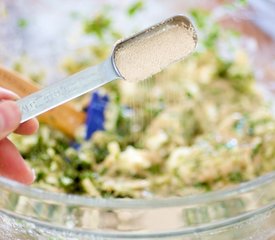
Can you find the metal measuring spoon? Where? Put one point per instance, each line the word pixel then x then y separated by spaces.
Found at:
pixel 155 47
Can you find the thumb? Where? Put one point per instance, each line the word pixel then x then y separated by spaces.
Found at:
pixel 9 117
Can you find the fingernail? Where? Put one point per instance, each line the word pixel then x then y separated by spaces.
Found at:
pixel 8 92
pixel 33 174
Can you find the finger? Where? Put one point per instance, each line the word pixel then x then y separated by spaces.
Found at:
pixel 12 164
pixel 9 117
pixel 7 94
pixel 28 127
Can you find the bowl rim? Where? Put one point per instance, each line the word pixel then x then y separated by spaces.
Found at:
pixel 193 230
pixel 120 203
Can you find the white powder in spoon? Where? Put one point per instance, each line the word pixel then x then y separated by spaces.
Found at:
pixel 150 52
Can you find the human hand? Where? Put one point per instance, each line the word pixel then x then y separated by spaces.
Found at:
pixel 12 164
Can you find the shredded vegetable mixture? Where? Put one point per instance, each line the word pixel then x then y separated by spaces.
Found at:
pixel 199 126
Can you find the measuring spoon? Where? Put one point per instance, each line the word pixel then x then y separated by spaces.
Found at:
pixel 133 59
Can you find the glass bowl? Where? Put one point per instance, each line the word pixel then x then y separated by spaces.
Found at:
pixel 243 212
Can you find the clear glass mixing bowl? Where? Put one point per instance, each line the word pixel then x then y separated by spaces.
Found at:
pixel 243 212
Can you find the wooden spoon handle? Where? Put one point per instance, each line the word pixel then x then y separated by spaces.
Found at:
pixel 64 118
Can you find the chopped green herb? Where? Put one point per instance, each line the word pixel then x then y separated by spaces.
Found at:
pixel 200 17
pixel 22 23
pixel 98 25
pixel 135 8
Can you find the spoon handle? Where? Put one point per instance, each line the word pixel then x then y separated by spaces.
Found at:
pixel 65 118
pixel 66 89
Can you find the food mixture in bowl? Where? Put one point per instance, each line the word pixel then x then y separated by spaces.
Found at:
pixel 201 125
